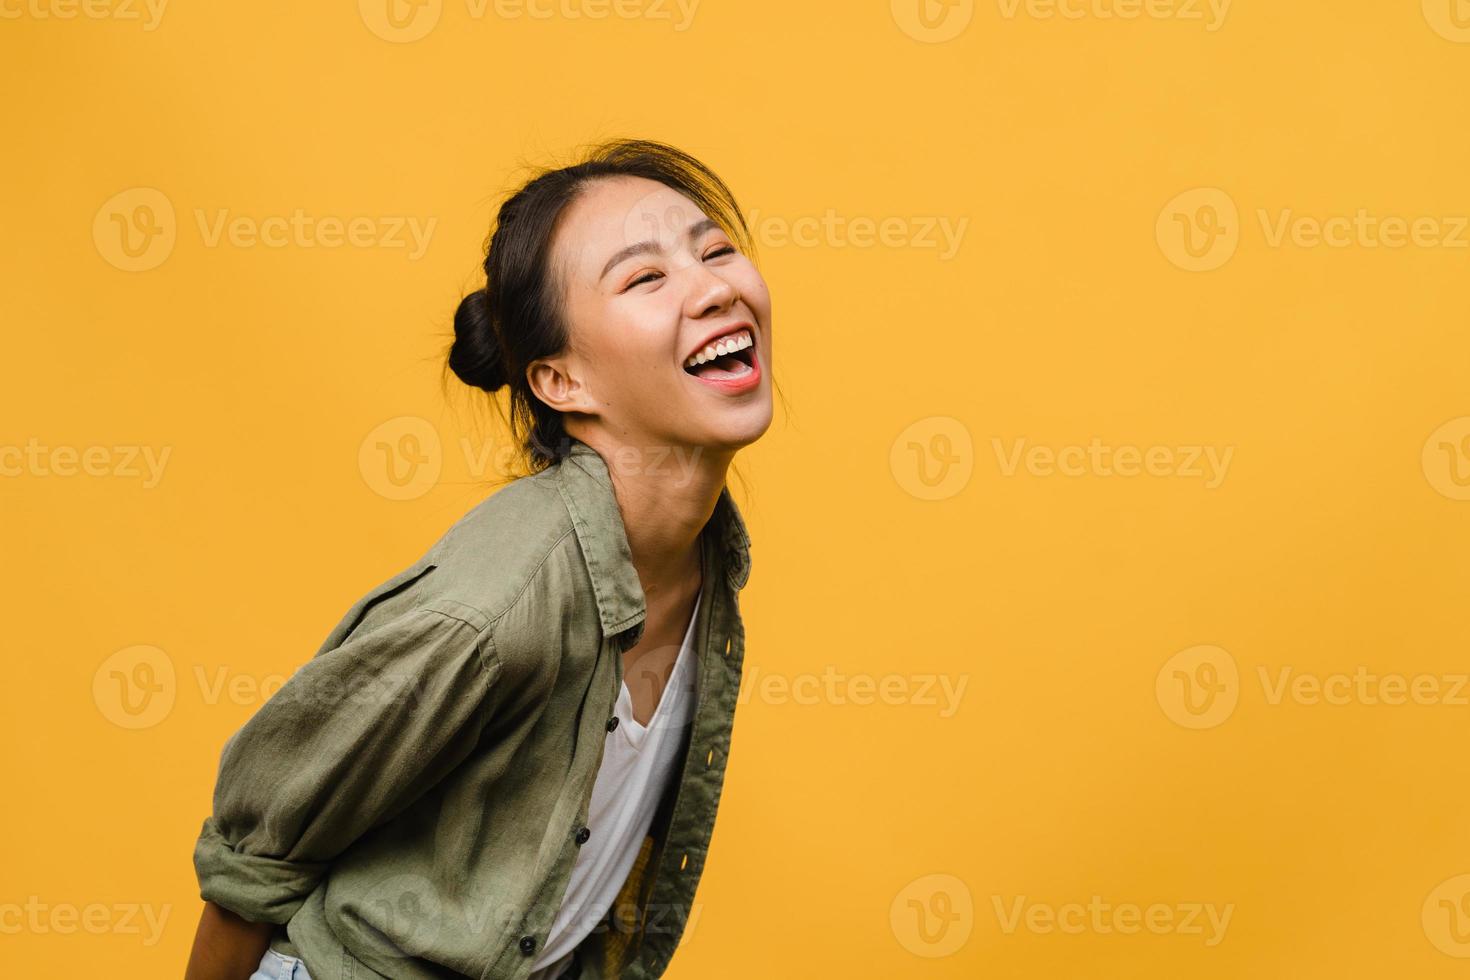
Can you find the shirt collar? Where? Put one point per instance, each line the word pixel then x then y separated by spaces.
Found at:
pixel 586 487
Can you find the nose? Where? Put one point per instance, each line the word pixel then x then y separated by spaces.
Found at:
pixel 709 292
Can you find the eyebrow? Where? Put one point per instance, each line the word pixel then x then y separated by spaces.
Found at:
pixel 694 231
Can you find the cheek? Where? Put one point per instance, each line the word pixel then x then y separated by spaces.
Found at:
pixel 606 337
pixel 636 336
pixel 753 290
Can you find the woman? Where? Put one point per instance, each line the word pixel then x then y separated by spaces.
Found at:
pixel 505 761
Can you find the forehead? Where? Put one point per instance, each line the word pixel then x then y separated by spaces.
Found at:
pixel 613 213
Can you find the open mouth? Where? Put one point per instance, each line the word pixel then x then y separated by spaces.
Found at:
pixel 729 359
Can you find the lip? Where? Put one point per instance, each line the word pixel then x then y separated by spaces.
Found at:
pixel 737 385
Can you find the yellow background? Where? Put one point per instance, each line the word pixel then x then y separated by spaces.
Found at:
pixel 1334 543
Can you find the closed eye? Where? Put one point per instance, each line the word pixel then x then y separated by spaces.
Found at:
pixel 646 277
pixel 651 275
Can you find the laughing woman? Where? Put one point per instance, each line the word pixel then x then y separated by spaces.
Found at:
pixel 505 761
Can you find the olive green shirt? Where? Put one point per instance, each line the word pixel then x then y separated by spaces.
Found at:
pixel 410 803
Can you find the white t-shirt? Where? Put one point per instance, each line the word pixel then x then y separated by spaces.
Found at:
pixel 638 761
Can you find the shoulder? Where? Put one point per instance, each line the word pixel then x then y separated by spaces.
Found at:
pixel 486 562
pixel 513 567
pixel 504 592
pixel 483 565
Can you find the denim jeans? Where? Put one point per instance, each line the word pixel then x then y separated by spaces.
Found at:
pixel 278 966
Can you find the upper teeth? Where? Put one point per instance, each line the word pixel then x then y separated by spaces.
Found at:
pixel 725 345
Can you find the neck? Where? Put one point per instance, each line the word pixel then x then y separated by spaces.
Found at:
pixel 666 498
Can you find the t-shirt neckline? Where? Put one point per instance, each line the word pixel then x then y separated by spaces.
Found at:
pixel 636 731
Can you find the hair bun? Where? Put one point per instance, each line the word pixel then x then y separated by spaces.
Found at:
pixel 476 357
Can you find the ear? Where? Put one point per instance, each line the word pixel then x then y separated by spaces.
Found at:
pixel 557 382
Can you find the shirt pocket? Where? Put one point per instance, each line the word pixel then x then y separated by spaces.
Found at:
pixel 396 595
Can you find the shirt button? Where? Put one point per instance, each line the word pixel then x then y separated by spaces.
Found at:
pixel 612 723
pixel 528 945
pixel 582 835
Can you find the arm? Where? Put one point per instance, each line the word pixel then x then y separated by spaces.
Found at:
pixel 226 947
pixel 352 738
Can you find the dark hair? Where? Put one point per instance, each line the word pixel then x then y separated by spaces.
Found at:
pixel 516 317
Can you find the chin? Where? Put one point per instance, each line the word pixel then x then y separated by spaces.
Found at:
pixel 737 430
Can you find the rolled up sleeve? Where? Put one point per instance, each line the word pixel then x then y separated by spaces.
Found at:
pixel 351 739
